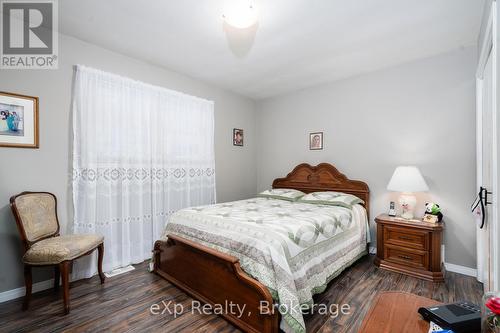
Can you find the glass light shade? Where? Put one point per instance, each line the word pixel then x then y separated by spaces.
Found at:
pixel 407 179
pixel 240 14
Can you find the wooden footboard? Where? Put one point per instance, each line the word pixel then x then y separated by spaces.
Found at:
pixel 215 278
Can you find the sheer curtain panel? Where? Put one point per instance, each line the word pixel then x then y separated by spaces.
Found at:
pixel 140 153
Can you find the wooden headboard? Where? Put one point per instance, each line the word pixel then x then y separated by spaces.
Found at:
pixel 323 177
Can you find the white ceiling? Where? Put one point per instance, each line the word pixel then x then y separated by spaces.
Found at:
pixel 297 43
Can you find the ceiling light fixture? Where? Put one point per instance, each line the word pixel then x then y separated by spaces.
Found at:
pixel 240 14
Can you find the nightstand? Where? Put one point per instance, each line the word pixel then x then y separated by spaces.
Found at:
pixel 410 247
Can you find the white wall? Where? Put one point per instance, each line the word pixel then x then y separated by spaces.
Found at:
pixel 48 168
pixel 421 113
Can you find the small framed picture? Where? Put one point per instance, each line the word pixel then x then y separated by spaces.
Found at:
pixel 316 141
pixel 18 121
pixel 237 137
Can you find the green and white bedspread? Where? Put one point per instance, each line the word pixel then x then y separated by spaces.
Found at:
pixel 293 248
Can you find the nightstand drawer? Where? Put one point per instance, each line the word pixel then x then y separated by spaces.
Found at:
pixel 406 256
pixel 405 237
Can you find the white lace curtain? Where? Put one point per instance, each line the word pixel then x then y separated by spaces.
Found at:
pixel 140 153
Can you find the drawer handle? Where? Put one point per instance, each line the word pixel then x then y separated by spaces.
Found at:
pixel 405 238
pixel 405 257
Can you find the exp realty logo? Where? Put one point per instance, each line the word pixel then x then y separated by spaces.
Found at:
pixel 29 34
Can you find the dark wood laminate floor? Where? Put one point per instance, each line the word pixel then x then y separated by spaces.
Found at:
pixel 123 303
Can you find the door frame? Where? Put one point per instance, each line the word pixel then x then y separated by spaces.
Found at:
pixel 488 49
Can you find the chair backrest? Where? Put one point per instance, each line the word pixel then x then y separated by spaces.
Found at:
pixel 36 216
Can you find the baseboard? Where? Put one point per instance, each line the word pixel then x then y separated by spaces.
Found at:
pixel 460 269
pixel 39 286
pixel 118 271
pixel 20 292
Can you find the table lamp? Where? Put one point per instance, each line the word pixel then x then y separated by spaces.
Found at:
pixel 407 179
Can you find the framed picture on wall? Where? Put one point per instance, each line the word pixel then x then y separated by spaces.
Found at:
pixel 237 137
pixel 18 121
pixel 316 141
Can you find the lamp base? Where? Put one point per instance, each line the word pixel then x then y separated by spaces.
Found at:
pixel 408 202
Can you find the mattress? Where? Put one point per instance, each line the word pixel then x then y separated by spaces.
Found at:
pixel 293 248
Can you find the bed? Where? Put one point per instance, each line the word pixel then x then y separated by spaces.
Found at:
pixel 254 253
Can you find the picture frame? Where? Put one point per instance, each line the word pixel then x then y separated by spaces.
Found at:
pixel 238 137
pixel 18 121
pixel 316 141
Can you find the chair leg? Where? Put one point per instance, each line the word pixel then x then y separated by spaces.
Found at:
pixel 100 252
pixel 64 268
pixel 28 282
pixel 57 276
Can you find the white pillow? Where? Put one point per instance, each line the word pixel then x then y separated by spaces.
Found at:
pixel 282 193
pixel 332 198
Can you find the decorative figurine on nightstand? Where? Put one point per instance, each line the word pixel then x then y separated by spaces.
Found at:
pixel 432 213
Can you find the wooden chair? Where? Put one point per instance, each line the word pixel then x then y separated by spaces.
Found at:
pixel 36 218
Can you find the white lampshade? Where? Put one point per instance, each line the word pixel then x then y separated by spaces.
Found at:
pixel 407 179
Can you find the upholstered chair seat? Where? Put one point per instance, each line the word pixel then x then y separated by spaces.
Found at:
pixel 36 219
pixel 52 251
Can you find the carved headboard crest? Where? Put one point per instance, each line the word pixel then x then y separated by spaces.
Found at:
pixel 323 177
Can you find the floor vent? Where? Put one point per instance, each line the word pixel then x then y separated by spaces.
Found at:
pixel 119 271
